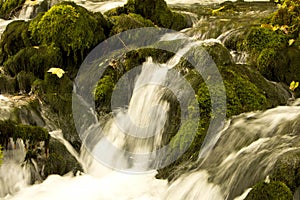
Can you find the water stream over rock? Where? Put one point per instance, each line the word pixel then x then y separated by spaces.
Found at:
pixel 117 165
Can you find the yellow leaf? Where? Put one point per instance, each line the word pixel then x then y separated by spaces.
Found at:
pixel 291 41
pixel 275 28
pixel 294 85
pixel 57 71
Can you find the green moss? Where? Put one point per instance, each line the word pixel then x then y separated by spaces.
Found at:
pixel 103 23
pixel 14 38
pixel 288 15
pixel 9 7
pixel 126 22
pixel 103 91
pixel 59 160
pixel 32 134
pixel 28 133
pixel 56 92
pixel 260 38
pixel 158 12
pixel 274 190
pixel 115 11
pixel 242 96
pixel 36 60
pixel 25 80
pixel 279 65
pixel 69 27
pixel 8 84
pixel 286 169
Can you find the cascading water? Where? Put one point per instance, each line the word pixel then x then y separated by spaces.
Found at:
pixel 245 152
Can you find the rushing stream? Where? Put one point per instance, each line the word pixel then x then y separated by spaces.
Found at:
pixel 242 153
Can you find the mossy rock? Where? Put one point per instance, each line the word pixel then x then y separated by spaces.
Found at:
pixel 286 168
pixel 280 65
pixel 14 38
pixel 8 8
pixel 8 84
pixel 71 28
pixel 275 190
pixel 157 11
pixel 32 134
pixel 105 86
pixel 219 53
pixel 276 93
pixel 56 95
pixel 246 90
pixel 103 23
pixel 56 92
pixel 259 38
pixel 126 22
pixel 60 161
pixel 36 60
pixel 25 80
pixel 115 11
pixel 235 40
pixel 29 113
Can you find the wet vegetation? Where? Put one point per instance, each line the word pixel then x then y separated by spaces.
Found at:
pixel 63 36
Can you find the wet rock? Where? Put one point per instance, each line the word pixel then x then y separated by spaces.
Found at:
pixel 270 191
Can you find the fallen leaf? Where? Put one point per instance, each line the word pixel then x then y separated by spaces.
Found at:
pixel 57 71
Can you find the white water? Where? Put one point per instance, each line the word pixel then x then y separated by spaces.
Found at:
pixel 222 174
pixel 100 182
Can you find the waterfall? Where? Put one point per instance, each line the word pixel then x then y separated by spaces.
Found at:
pixel 127 141
pixel 247 150
pixel 13 176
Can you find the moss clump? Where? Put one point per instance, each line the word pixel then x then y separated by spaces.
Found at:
pixel 103 91
pixel 260 38
pixel 270 63
pixel 157 11
pixel 59 160
pixel 71 28
pixel 56 92
pixel 36 60
pixel 14 38
pixel 286 169
pixel 8 84
pixel 270 52
pixel 31 135
pixel 25 80
pixel 9 7
pixel 218 53
pixel 242 96
pixel 126 22
pixel 275 190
